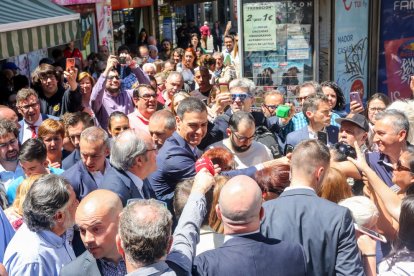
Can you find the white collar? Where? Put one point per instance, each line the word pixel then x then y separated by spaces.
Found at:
pixel 137 181
pixel 36 124
pixel 229 237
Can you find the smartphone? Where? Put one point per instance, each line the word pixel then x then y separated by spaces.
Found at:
pixel 122 60
pixel 371 233
pixel 323 137
pixel 70 64
pixel 354 96
pixel 288 149
pixel 224 87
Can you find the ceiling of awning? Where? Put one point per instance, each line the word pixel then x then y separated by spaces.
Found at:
pixel 30 25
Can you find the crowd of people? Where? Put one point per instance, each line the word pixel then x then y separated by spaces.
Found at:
pixel 154 162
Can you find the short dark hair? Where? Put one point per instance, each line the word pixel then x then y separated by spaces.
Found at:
pixel 46 196
pixel 33 149
pixel 137 91
pixel 72 119
pixel 308 155
pixel 241 116
pixel 312 102
pixel 116 114
pixel 123 48
pixel 190 104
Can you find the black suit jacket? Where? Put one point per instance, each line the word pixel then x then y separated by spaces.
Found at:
pixel 324 229
pixel 252 255
pixel 81 180
pixel 71 159
pixel 85 264
pixel 120 183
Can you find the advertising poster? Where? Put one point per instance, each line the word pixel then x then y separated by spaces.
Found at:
pixel 105 26
pixel 351 46
pixel 396 48
pixel 258 33
pixel 288 28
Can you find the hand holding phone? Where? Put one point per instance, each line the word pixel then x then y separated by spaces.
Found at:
pixel 371 233
pixel 224 87
pixel 354 96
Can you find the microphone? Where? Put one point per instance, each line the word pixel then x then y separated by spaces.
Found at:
pixel 205 162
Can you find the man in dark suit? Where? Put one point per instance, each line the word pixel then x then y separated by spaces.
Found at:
pixel 177 157
pixel 318 115
pixel 97 217
pixel 27 103
pixel 75 123
pixel 88 173
pixel 245 250
pixel 133 157
pixel 324 229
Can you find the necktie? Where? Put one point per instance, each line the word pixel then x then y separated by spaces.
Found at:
pixel 33 129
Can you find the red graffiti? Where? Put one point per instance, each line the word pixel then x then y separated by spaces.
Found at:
pixel 347 7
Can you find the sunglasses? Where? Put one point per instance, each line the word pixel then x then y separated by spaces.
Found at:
pixel 113 77
pixel 270 106
pixel 400 167
pixel 301 98
pixel 242 97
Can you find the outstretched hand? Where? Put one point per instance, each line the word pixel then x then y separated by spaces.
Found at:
pixel 360 162
pixel 203 181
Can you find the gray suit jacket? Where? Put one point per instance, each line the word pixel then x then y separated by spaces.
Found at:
pixel 85 264
pixel 324 229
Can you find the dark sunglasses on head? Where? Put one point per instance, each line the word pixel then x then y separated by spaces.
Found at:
pixel 400 167
pixel 345 149
pixel 242 97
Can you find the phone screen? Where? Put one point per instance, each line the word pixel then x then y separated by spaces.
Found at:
pixel 323 137
pixel 70 64
pixel 354 96
pixel 223 87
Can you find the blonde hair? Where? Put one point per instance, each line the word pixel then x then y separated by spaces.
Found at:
pixel 22 191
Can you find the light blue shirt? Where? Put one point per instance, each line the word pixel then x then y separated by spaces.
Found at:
pixel 12 189
pixel 8 176
pixel 6 234
pixel 299 120
pixel 40 253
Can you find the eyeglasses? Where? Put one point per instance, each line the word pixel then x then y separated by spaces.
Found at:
pixel 113 77
pixel 242 97
pixel 154 148
pixel 147 97
pixel 242 138
pixel 45 77
pixel 400 167
pixel 270 106
pixel 376 109
pixel 9 143
pixel 302 98
pixel 28 106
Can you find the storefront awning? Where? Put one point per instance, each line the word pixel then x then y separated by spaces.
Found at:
pixel 29 25
pixel 130 4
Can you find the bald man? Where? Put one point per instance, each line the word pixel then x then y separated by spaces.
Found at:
pixel 97 217
pixel 9 114
pixel 245 251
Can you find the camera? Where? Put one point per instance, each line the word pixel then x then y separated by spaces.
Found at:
pixel 122 60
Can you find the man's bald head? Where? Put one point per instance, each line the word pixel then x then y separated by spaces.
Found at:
pixel 102 202
pixel 9 114
pixel 240 203
pixel 97 217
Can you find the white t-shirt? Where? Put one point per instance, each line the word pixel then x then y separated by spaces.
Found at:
pixel 256 154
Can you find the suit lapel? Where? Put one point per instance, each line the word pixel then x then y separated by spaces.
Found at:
pixel 91 266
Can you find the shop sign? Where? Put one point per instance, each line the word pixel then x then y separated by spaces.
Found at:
pixel 75 2
pixel 351 45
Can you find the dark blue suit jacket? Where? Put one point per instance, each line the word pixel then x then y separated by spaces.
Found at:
pixel 176 162
pixel 302 134
pixel 71 159
pixel 81 180
pixel 22 122
pixel 252 255
pixel 325 230
pixel 120 183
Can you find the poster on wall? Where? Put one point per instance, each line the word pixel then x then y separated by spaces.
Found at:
pixel 351 46
pixel 396 49
pixel 277 43
pixel 105 26
pixel 257 19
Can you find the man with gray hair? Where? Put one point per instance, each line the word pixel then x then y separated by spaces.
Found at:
pixel 133 157
pixel 245 250
pixel 161 126
pixel 173 84
pixel 42 244
pixel 390 134
pixel 88 173
pixel 145 240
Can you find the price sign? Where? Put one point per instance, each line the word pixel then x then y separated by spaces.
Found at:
pixel 259 26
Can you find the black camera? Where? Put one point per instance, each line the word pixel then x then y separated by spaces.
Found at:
pixel 344 150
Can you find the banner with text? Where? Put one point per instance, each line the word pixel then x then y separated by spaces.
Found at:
pixel 351 45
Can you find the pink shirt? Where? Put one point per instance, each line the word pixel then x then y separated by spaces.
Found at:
pixel 137 121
